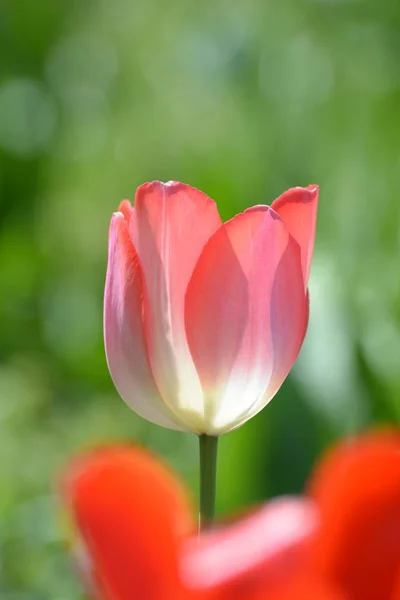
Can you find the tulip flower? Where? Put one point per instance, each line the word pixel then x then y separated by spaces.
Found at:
pixel 341 541
pixel 203 320
pixel 357 488
pixel 140 541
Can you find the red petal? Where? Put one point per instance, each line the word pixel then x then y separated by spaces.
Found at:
pixel 298 209
pixel 257 553
pixel 132 515
pixel 126 209
pixel 396 590
pixel 358 489
pixel 305 589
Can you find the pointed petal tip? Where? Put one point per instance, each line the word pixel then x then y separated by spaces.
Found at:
pixel 117 216
pixel 262 208
pixel 304 194
pixel 169 187
pixel 150 186
pixel 148 189
pixel 116 223
pixel 298 208
pixel 125 208
pixel 171 183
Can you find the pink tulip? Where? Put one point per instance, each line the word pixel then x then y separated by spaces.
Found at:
pixel 203 320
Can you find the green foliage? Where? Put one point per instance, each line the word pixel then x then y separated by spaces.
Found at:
pixel 242 100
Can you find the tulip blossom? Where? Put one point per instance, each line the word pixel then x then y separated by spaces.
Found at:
pixel 140 541
pixel 357 488
pixel 341 541
pixel 203 320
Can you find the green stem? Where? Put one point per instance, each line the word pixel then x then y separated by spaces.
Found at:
pixel 208 478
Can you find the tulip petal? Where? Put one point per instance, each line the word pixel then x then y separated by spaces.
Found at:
pixel 258 552
pixel 123 329
pixel 305 589
pixel 245 315
pixel 298 209
pixel 126 209
pixel 132 515
pixel 288 326
pixel 357 488
pixel 396 589
pixel 170 226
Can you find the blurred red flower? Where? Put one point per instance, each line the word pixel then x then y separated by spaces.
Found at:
pixel 341 541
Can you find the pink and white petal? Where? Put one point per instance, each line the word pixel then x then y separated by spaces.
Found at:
pixel 289 314
pixel 289 319
pixel 261 550
pixel 170 225
pixel 298 209
pixel 123 330
pixel 229 312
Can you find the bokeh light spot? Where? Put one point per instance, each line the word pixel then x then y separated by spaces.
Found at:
pixel 27 117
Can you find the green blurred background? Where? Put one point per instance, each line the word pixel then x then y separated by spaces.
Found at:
pixel 240 99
